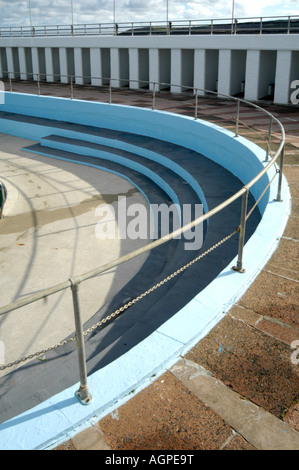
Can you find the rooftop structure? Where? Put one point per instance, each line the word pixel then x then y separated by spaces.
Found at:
pixel 253 59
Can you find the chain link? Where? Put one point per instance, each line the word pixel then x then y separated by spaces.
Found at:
pixel 124 307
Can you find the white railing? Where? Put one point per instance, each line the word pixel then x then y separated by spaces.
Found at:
pixel 251 25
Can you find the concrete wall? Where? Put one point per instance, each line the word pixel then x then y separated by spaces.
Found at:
pixel 241 157
pixel 253 65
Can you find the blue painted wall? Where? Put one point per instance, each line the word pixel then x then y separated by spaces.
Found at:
pixel 241 157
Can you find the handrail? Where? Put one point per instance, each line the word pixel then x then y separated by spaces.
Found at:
pixel 74 282
pixel 288 24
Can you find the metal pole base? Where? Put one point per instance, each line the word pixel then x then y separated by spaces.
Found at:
pixel 239 269
pixel 84 396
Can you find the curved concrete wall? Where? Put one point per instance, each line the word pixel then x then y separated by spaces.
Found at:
pixel 239 156
pixel 52 420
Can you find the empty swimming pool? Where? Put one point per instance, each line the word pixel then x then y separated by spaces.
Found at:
pixel 168 158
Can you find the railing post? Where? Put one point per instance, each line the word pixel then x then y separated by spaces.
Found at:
pixel 72 88
pixel 38 84
pixel 269 138
pixel 196 104
pixel 83 392
pixel 154 96
pixel 280 176
pixel 242 229
pixel 110 91
pixel 10 84
pixel 237 118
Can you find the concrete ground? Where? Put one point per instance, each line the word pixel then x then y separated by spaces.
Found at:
pixel 238 388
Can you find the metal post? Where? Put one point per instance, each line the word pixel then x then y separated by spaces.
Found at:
pixel 83 392
pixel 196 103
pixel 237 119
pixel 154 97
pixel 10 84
pixel 72 88
pixel 38 84
pixel 110 92
pixel 242 228
pixel 280 176
pixel 72 12
pixel 30 15
pixel 269 138
pixel 167 12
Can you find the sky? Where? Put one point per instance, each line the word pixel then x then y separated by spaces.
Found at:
pixel 17 12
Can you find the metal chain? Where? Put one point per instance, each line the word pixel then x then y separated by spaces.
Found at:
pixel 124 307
pixel 159 284
pixel 261 196
pixel 39 353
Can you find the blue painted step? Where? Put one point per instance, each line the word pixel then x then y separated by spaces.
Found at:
pixel 179 159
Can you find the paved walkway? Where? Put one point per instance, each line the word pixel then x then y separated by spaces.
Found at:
pixel 237 389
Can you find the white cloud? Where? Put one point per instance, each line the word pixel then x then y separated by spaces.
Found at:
pixel 16 12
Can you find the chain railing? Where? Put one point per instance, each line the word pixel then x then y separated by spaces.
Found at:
pixel 242 25
pixel 271 158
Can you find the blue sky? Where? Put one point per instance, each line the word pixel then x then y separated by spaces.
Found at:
pixel 16 12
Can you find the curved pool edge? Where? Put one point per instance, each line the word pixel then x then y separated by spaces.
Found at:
pixel 62 416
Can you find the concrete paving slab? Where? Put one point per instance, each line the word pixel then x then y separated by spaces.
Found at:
pixel 259 427
pixel 274 296
pixel 250 362
pixel 175 420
